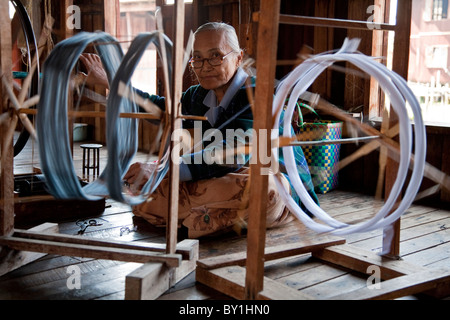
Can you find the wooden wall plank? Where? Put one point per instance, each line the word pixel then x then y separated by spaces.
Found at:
pixel 89 251
pixel 357 89
pixel 323 41
pixel 111 10
pixel 185 251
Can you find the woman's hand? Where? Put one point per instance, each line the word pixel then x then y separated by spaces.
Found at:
pixel 96 75
pixel 139 173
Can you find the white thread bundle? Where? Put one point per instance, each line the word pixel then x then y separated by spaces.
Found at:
pixel 121 135
pixel 297 82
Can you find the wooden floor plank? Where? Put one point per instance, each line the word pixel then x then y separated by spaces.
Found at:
pixel 272 253
pixel 46 263
pixel 327 289
pixel 414 237
pixel 25 284
pixel 94 283
pixel 312 276
pixel 401 286
pixel 430 256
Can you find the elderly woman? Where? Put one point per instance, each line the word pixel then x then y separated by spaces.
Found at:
pixel 213 196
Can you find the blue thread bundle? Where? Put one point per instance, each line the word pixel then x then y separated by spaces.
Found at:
pixel 121 134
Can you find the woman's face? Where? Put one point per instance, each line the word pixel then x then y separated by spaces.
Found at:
pixel 212 43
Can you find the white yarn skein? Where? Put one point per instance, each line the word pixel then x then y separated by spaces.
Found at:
pixel 296 84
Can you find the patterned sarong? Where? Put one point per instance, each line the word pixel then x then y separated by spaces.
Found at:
pixel 211 206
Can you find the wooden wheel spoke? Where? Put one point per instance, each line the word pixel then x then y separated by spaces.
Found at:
pixel 17 106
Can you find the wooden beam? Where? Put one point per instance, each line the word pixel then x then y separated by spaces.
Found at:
pixel 379 49
pixel 186 252
pixel 100 114
pixel 335 23
pixel 331 23
pixel 6 147
pixel 89 251
pixel 400 66
pixel 402 38
pixel 175 121
pixel 265 64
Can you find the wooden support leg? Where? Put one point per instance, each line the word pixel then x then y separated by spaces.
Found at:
pixel 267 29
pixel 153 279
pixel 6 149
pixel 12 259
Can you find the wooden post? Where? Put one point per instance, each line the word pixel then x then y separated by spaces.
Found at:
pixel 378 49
pixel 401 58
pixel 177 86
pixel 112 14
pixel 6 153
pixel 265 64
pixel 66 31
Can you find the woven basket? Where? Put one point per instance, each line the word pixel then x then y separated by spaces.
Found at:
pixel 323 161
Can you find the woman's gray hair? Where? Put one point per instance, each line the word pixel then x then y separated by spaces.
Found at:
pixel 230 33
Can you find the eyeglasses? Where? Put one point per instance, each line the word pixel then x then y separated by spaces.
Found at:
pixel 214 61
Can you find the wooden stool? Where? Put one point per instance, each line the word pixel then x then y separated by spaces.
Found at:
pixel 87 159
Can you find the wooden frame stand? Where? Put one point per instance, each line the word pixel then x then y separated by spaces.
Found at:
pixel 160 271
pixel 228 275
pixel 164 265
pixel 399 278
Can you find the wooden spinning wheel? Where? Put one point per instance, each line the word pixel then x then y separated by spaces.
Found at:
pixel 25 65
